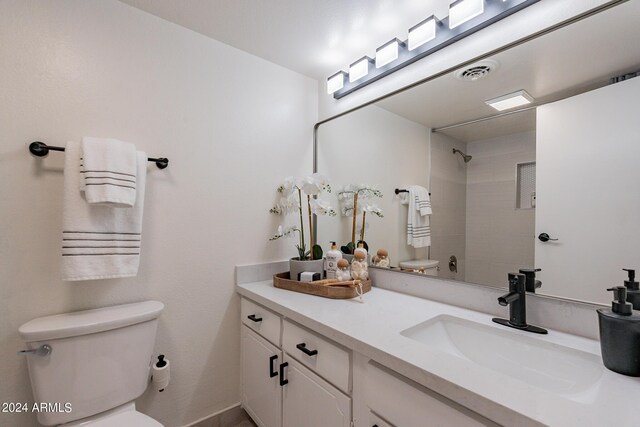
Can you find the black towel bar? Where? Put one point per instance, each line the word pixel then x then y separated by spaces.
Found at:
pixel 399 190
pixel 41 149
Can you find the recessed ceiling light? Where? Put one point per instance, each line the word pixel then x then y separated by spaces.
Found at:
pixel 359 69
pixel 336 82
pixel 422 33
pixel 511 100
pixel 461 11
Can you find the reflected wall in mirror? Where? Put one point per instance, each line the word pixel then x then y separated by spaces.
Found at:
pixel 568 165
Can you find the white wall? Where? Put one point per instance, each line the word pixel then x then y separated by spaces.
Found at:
pixel 587 191
pixel 499 239
pixel 535 18
pixel 448 200
pixel 232 125
pixel 375 147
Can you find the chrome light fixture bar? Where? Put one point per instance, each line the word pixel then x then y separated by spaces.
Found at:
pixel 413 50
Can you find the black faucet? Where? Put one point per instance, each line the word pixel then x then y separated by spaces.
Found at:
pixel 531 284
pixel 515 299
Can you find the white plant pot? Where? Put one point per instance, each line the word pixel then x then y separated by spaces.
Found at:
pixel 296 267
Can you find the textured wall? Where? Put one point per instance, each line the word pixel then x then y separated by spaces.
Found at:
pixel 448 198
pixel 232 126
pixel 500 239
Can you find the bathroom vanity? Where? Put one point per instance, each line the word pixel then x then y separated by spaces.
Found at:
pixel 400 360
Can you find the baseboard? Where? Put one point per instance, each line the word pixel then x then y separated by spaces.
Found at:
pixel 227 417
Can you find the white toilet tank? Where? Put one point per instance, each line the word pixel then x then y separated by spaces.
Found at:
pixel 99 358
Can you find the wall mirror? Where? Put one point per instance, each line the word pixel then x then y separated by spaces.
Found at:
pixel 567 165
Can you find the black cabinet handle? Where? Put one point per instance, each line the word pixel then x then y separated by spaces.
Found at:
pixel 272 372
pixel 303 348
pixel 283 380
pixel 253 318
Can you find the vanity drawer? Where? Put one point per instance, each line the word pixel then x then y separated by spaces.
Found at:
pixel 404 403
pixel 324 357
pixel 263 321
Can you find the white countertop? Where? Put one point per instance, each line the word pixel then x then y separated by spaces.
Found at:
pixel 373 328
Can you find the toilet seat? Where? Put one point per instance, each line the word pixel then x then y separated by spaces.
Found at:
pixel 419 264
pixel 123 416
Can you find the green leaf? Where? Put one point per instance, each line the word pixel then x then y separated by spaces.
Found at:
pixel 364 244
pixel 348 248
pixel 317 252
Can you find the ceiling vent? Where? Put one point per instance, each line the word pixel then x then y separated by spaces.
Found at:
pixel 476 71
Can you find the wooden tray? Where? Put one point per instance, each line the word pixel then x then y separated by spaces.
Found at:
pixel 282 280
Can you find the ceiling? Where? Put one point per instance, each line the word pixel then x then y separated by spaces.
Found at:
pixel 313 37
pixel 317 38
pixel 568 61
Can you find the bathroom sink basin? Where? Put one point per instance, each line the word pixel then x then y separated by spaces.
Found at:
pixel 548 366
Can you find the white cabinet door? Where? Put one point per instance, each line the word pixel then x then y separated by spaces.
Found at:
pixel 309 401
pixel 261 392
pixel 588 157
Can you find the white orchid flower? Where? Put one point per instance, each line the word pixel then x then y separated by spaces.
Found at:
pixel 320 206
pixel 309 186
pixel 287 186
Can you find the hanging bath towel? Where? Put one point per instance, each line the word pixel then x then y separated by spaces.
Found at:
pixel 418 228
pixel 98 241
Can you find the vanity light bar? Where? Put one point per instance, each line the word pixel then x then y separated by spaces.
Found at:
pixel 461 11
pixel 510 100
pixel 422 32
pixel 336 82
pixel 388 52
pixel 360 68
pixel 465 18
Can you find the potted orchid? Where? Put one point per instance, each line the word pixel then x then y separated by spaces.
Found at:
pixel 294 194
pixel 356 198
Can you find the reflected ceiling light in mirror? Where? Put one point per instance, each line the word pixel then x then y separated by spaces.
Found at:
pixel 336 82
pixel 422 33
pixel 360 68
pixel 430 35
pixel 461 11
pixel 388 52
pixel 511 100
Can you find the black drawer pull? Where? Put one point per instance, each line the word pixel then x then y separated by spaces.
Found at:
pixel 253 318
pixel 303 348
pixel 283 380
pixel 272 372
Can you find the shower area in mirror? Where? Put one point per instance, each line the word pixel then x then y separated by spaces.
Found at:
pixel 483 197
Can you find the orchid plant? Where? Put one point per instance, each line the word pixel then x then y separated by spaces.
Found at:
pixel 292 192
pixel 349 198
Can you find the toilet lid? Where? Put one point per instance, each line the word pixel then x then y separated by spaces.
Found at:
pixel 126 418
pixel 418 264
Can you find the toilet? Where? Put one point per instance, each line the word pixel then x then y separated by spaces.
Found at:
pixel 425 266
pixel 99 362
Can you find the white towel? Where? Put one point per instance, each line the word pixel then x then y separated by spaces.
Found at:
pixel 99 242
pixel 418 229
pixel 109 170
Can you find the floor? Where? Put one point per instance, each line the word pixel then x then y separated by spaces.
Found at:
pixel 235 417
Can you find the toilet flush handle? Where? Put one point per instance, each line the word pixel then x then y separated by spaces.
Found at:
pixel 43 350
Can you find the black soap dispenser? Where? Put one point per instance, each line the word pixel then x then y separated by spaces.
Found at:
pixel 633 289
pixel 620 335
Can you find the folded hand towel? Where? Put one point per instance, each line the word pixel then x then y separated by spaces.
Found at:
pixel 109 171
pixel 99 242
pixel 422 198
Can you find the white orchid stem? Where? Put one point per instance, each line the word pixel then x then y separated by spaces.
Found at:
pixel 355 209
pixel 310 227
